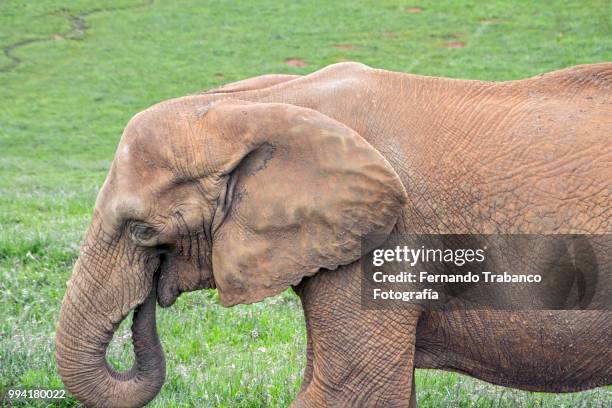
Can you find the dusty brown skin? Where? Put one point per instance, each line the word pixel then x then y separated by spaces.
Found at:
pixel 258 185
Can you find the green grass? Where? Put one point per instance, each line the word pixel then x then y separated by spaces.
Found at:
pixel 88 66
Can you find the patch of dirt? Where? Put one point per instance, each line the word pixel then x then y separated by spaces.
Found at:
pixel 414 10
pixel 78 31
pixel 344 47
pixel 491 21
pixel 219 75
pixel 79 26
pixel 389 34
pixel 296 62
pixel 455 44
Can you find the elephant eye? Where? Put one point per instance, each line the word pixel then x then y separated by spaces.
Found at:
pixel 141 232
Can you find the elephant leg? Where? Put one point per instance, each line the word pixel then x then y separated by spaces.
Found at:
pixel 258 82
pixel 413 400
pixel 358 357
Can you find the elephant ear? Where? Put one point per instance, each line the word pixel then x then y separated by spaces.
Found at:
pixel 302 191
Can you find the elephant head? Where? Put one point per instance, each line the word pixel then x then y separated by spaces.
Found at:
pixel 244 197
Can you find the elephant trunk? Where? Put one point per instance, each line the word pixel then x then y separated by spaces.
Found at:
pixel 88 319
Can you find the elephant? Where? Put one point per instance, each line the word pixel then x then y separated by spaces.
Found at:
pixel 270 183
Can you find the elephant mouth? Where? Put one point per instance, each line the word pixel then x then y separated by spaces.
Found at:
pixel 169 286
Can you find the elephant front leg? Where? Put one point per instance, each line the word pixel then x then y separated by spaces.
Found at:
pixel 356 357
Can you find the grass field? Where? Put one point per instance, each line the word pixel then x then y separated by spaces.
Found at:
pixel 74 72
